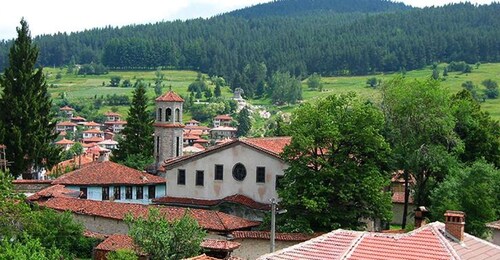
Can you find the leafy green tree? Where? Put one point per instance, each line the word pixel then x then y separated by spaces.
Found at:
pixel 27 248
pixel 473 190
pixel 138 133
pixel 285 88
pixel 122 254
pixel 163 239
pixel 244 122
pixel 28 122
pixel 419 127
pixel 491 88
pixel 338 162
pixel 217 91
pixel 126 83
pixel 158 81
pixel 372 82
pixel 479 133
pixel 314 82
pixel 115 81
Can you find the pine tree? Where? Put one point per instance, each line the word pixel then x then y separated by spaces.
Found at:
pixel 136 147
pixel 244 123
pixel 26 116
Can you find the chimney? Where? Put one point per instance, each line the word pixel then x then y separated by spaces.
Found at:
pixel 421 216
pixel 455 223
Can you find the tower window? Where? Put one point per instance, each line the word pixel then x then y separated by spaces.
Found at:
pixel 177 115
pixel 159 115
pixel 177 146
pixel 158 145
pixel 168 114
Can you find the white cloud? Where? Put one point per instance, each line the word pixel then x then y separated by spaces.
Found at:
pixel 47 17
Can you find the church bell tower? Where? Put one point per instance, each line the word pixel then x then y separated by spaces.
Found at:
pixel 168 127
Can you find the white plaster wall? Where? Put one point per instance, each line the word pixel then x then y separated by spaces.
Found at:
pixel 254 248
pixel 216 189
pixel 95 193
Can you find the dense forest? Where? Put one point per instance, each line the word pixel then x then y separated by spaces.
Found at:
pixel 330 37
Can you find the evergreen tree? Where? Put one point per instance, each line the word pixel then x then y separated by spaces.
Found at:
pixel 28 121
pixel 244 123
pixel 137 144
pixel 217 91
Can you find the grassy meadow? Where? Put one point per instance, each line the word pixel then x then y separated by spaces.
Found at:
pixel 78 87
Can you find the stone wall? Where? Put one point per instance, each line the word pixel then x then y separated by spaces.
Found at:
pixel 30 186
pixel 253 248
pixel 397 214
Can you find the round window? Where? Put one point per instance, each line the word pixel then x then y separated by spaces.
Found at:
pixel 239 172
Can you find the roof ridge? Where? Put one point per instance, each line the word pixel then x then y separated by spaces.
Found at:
pixel 354 244
pixel 443 239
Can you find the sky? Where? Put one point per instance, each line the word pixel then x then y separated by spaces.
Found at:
pixel 52 16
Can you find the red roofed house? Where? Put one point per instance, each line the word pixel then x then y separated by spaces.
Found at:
pixel 112 116
pixel 112 181
pixel 115 126
pixel 116 242
pixel 66 111
pixel 398 198
pixel 65 144
pixel 91 125
pixel 222 120
pixel 66 126
pixel 432 241
pixel 107 217
pixel 249 167
pixel 495 227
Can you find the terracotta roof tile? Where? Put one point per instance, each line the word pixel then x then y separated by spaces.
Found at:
pixel 117 241
pixel 66 108
pixel 66 123
pixel 93 131
pixel 202 257
pixel 64 141
pixel 223 117
pixel 78 118
pixel 273 145
pixel 91 123
pixel 170 96
pixel 207 219
pixel 265 235
pixel 237 198
pixel 55 191
pixel 428 242
pixel 108 173
pixel 221 245
pixel 93 234
pixel 494 225
pixel 94 139
pixel 80 161
pixel 109 113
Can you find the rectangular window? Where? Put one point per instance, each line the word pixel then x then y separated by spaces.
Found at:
pixel 105 193
pixel 83 193
pixel 177 145
pixel 157 145
pixel 219 172
pixel 128 192
pixel 117 192
pixel 261 174
pixel 200 178
pixel 138 192
pixel 181 177
pixel 151 192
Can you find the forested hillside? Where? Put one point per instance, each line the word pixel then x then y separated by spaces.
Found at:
pixel 376 36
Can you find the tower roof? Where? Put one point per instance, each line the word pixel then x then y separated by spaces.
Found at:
pixel 170 96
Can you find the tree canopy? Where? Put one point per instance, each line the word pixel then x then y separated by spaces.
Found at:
pixel 338 166
pixel 28 122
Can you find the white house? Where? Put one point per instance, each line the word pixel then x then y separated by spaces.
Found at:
pixel 223 132
pixel 250 167
pixel 66 126
pixel 222 120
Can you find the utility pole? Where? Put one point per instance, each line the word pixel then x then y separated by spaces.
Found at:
pixel 273 223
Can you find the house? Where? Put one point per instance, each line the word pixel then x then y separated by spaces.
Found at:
pixel 66 126
pixel 115 182
pixel 257 243
pixel 78 120
pixel 108 144
pixel 91 125
pixel 192 122
pixel 223 132
pixel 115 126
pixel 432 241
pixel 112 116
pixel 66 111
pixel 249 167
pixel 495 228
pixel 222 120
pixel 107 217
pixel 398 198
pixel 93 133
pixel 65 144
pixel 116 242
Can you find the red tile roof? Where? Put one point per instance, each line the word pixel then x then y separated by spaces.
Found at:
pixel 93 131
pixel 94 139
pixel 399 197
pixel 93 234
pixel 66 123
pixel 112 114
pixel 223 117
pixel 59 191
pixel 270 145
pixel 202 257
pixel 265 235
pixel 66 108
pixel 117 241
pixel 91 123
pixel 219 245
pixel 81 161
pixel 115 122
pixel 64 141
pixel 78 118
pixel 207 219
pixel 237 198
pixel 192 121
pixel 170 97
pixel 428 242
pixel 108 173
pixel 494 225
